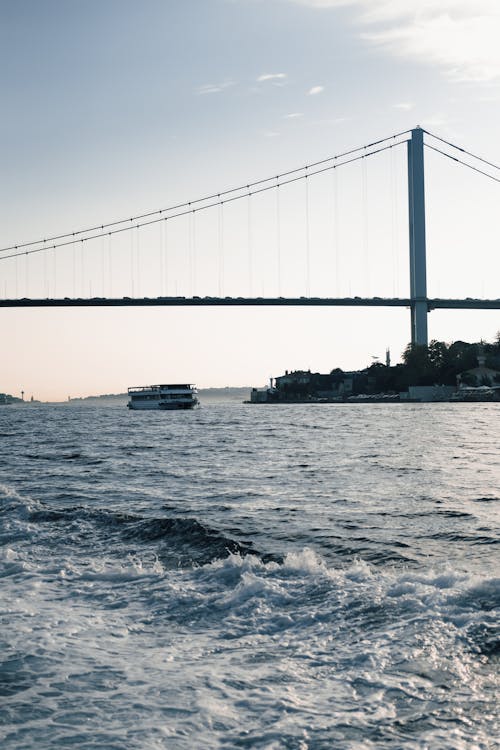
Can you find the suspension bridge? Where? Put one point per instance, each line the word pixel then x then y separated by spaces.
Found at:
pixel 197 247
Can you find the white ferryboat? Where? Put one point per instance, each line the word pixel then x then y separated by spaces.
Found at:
pixel 163 397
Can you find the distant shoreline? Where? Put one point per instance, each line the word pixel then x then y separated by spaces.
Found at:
pixel 225 394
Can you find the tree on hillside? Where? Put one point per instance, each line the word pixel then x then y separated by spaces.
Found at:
pixel 419 368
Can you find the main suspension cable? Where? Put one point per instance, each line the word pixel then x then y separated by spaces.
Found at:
pixel 460 161
pixel 463 150
pixel 189 204
pixel 190 210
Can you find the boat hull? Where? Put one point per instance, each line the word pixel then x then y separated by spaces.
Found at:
pixel 162 406
pixel 164 397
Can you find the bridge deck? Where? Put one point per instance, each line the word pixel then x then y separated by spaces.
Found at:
pixel 432 304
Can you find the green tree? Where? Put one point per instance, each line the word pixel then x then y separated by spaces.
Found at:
pixel 420 370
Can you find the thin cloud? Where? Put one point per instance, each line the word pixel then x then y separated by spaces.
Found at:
pixel 271 77
pixel 405 106
pixel 325 3
pixel 214 88
pixel 333 121
pixel 293 115
pixel 437 121
pixel 460 36
pixel 315 90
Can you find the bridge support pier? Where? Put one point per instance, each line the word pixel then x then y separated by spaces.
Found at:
pixel 416 208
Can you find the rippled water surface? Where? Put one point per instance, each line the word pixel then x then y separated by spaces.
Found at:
pixel 300 577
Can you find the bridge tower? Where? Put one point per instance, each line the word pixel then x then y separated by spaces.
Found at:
pixel 416 206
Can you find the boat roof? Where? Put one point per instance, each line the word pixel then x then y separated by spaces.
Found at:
pixel 160 385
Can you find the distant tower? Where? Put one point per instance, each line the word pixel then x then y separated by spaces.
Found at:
pixel 387 357
pixel 22 395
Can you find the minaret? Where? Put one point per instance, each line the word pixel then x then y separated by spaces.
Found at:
pixel 387 357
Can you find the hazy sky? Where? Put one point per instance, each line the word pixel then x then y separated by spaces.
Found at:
pixel 112 108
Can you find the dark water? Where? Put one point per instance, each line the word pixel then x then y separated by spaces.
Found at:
pixel 250 577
